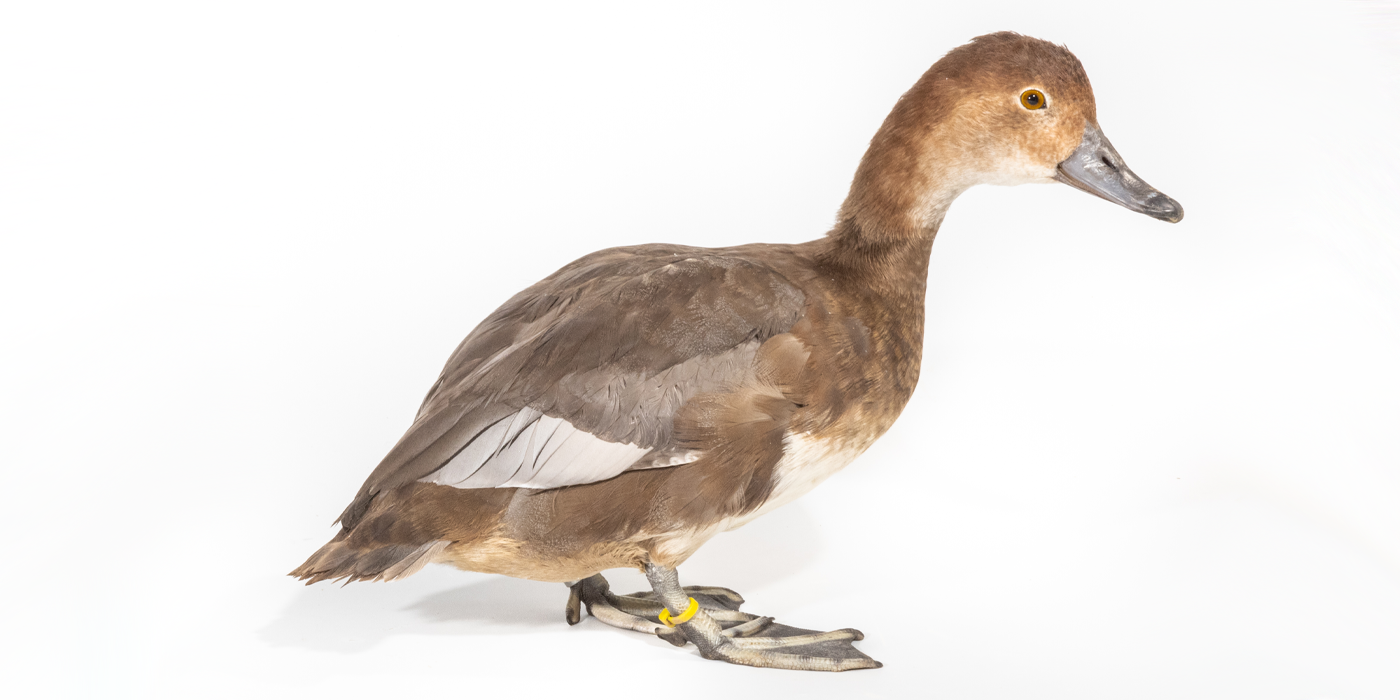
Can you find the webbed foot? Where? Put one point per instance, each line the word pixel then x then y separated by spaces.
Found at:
pixel 719 628
pixel 614 610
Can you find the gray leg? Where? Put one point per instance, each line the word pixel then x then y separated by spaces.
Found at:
pixel 639 612
pixel 778 647
pixel 645 605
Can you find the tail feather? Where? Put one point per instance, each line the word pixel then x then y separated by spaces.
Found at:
pixel 338 560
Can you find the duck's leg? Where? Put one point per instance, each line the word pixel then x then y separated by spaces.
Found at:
pixel 772 646
pixel 640 612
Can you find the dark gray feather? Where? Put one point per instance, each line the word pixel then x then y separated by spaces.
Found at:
pixel 614 343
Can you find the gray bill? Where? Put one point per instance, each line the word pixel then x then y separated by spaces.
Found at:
pixel 1096 168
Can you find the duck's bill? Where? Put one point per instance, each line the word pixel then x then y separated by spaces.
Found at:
pixel 1098 169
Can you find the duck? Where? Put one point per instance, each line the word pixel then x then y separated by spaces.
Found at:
pixel 639 401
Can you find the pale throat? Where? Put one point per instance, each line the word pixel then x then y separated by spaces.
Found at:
pixel 944 173
pixel 951 164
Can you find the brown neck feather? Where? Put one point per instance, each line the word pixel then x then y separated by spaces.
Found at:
pixel 901 191
pixel 890 266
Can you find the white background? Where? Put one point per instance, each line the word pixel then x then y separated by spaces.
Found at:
pixel 1144 461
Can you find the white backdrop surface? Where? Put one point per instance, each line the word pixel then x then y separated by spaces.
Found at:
pixel 238 241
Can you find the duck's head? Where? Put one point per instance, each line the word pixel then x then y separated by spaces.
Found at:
pixel 1004 109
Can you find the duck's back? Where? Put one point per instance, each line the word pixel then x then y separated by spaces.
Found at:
pixel 674 361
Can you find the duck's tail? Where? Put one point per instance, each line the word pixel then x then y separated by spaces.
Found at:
pixel 338 559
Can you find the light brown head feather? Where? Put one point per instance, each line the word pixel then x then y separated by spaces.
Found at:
pixel 961 125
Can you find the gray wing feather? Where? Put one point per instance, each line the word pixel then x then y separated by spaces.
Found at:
pixel 579 377
pixel 532 450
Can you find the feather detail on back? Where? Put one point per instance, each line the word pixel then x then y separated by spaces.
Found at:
pixel 580 377
pixel 529 449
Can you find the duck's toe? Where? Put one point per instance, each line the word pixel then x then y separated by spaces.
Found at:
pixel 616 611
pixel 830 654
pixel 717 626
pixel 721 631
pixel 776 645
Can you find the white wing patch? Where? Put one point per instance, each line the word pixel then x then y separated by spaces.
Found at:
pixel 531 450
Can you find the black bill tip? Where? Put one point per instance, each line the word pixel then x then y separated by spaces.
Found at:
pixel 1160 206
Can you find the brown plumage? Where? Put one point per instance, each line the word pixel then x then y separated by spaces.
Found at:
pixel 638 401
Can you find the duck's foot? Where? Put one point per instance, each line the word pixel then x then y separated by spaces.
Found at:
pixel 719 628
pixel 615 610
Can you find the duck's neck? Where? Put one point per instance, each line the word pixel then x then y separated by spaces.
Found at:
pixel 912 172
pixel 892 267
pixel 885 231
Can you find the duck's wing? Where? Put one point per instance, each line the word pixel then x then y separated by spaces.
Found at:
pixel 579 377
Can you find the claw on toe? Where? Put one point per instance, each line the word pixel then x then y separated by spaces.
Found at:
pixel 572 613
pixel 802 660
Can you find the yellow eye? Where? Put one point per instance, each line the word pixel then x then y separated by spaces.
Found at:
pixel 1033 99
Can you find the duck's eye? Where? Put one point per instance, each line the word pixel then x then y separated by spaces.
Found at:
pixel 1033 99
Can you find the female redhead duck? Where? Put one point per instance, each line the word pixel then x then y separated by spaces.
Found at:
pixel 632 405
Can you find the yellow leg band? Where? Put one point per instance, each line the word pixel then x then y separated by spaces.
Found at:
pixel 669 621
